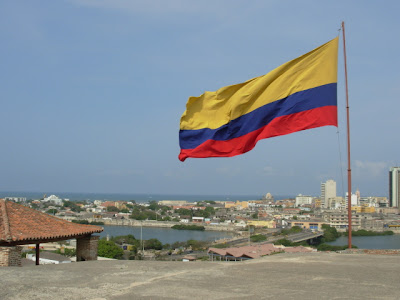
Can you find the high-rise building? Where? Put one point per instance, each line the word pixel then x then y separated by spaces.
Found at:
pixel 394 186
pixel 328 190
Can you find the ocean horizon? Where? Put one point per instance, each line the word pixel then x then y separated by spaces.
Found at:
pixel 138 197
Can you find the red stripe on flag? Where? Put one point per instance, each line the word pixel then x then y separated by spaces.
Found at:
pixel 322 116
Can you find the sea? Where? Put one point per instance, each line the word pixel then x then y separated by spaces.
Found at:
pixel 139 198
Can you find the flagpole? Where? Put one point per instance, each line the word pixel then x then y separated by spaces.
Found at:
pixel 348 142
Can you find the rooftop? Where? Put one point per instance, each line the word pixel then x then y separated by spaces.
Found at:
pixel 20 224
pixel 284 276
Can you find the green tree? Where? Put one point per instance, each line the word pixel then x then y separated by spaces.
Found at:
pixel 184 212
pixel 210 210
pixel 284 242
pixel 52 211
pixel 330 233
pixel 153 205
pixel 109 249
pixel 150 215
pixel 153 244
pixel 138 215
pixel 124 239
pixel 112 209
pixel 72 205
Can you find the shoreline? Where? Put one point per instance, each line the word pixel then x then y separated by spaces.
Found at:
pixel 163 224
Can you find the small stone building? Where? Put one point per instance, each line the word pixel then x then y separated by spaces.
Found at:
pixel 21 225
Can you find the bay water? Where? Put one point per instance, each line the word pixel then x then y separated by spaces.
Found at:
pixel 164 235
pixel 370 242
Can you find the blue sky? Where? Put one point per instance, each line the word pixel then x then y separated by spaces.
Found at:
pixel 92 93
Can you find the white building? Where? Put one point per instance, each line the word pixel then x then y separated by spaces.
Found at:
pixel 328 190
pixel 302 199
pixel 354 200
pixel 53 199
pixel 16 199
pixel 97 202
pixel 394 186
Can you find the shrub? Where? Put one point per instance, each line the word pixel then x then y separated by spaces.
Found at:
pixel 109 249
pixel 188 227
pixel 258 238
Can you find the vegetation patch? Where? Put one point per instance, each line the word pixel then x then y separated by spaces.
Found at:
pixel 287 243
pixel 188 227
pixel 86 222
pixel 330 233
pixel 363 232
pixel 258 238
pixel 294 229
pixel 327 247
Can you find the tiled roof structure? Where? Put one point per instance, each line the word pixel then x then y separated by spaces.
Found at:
pixel 247 251
pixel 23 225
pixel 255 251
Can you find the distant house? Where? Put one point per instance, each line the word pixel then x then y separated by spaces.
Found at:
pixel 250 252
pixel 49 258
pixel 197 219
pixel 267 224
pixel 188 258
pixel 184 219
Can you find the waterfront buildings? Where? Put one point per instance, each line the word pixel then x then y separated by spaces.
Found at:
pixel 307 224
pixel 394 186
pixel 16 199
pixel 328 190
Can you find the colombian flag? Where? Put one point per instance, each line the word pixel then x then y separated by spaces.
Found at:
pixel 300 94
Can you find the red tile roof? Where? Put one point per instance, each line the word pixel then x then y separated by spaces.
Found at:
pixel 247 251
pixel 255 251
pixel 20 224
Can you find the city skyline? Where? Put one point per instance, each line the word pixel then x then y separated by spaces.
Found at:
pixel 93 92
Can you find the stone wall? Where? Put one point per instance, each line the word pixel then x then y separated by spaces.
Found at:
pixel 372 251
pixel 86 248
pixel 10 256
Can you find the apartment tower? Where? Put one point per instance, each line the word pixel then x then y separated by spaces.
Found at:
pixel 328 190
pixel 394 186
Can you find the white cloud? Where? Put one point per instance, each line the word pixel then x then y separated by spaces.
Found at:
pixel 370 168
pixel 268 170
pixel 228 171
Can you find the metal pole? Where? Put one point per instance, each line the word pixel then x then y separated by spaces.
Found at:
pixel 37 254
pixel 141 237
pixel 348 142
